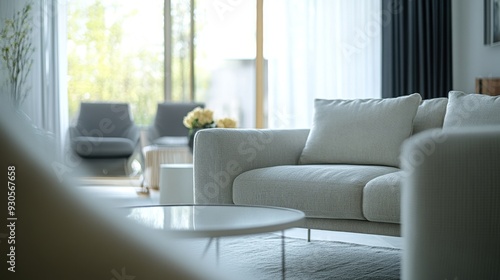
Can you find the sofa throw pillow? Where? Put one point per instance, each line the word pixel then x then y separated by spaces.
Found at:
pixel 471 110
pixel 430 114
pixel 362 131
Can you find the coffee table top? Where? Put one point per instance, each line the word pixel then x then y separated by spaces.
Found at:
pixel 215 220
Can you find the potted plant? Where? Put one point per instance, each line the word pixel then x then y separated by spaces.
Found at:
pixel 16 54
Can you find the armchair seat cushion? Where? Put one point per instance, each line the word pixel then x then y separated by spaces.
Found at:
pixel 172 141
pixel 95 147
pixel 320 191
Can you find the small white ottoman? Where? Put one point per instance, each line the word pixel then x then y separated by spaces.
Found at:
pixel 176 184
pixel 156 155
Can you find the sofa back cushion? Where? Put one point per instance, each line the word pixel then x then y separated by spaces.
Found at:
pixel 471 110
pixel 430 114
pixel 361 131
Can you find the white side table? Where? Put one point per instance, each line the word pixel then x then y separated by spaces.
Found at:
pixel 176 184
pixel 155 155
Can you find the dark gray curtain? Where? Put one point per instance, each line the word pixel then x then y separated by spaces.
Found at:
pixel 416 48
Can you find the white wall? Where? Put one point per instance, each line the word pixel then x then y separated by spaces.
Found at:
pixel 471 59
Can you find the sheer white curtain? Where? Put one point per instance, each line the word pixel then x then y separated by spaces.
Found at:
pixel 319 49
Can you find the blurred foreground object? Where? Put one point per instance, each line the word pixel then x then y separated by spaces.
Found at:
pixel 451 204
pixel 60 233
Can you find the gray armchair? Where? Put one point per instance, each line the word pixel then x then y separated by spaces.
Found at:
pixel 168 129
pixel 105 138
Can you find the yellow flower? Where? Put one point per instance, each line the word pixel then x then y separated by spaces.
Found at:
pixel 198 118
pixel 226 123
pixel 205 117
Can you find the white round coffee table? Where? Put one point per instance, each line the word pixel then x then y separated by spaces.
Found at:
pixel 214 221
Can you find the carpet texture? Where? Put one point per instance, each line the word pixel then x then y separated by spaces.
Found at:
pixel 258 257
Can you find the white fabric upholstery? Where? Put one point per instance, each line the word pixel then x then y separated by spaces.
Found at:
pixel 362 131
pixel 471 110
pixel 220 155
pixel 259 167
pixel 381 198
pixel 430 114
pixel 320 191
pixel 451 205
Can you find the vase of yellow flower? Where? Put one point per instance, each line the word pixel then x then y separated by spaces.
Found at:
pixel 197 119
pixel 201 118
pixel 192 132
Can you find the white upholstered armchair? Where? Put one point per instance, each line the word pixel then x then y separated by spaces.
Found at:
pixel 451 204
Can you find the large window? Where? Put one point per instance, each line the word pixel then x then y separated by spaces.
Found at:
pixel 225 58
pixel 206 51
pixel 115 53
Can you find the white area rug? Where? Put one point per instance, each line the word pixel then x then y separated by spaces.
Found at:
pixel 115 196
pixel 259 257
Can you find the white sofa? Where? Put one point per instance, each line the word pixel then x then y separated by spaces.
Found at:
pixel 266 167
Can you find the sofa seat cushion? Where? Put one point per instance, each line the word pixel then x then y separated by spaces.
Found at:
pixel 95 147
pixel 320 191
pixel 381 198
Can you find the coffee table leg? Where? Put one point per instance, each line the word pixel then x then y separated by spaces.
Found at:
pixel 206 248
pixel 283 254
pixel 217 251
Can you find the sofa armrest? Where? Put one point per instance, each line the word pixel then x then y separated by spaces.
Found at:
pixel 220 155
pixel 451 204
